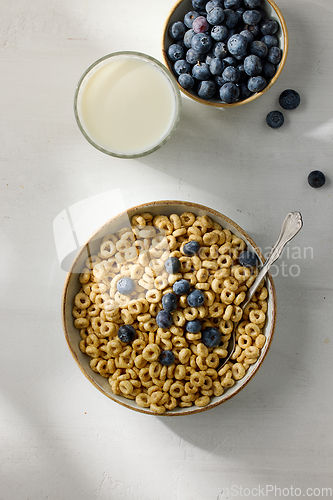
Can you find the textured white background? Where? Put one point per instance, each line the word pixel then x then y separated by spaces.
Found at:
pixel 61 438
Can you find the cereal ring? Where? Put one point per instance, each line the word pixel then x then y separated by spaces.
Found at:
pixel 227 296
pixel 143 400
pixel 244 341
pixel 84 276
pixel 260 341
pixel 187 219
pixel 202 275
pixel 210 238
pixel 177 389
pixel 82 300
pixel 190 313
pixel 252 352
pixel 224 261
pixel 212 360
pixel 178 317
pixel 202 401
pixel 257 316
pixel 242 273
pixel 216 310
pixel 107 249
pixel 151 352
pixel 153 296
pixel 180 372
pixel 238 371
pixel 80 323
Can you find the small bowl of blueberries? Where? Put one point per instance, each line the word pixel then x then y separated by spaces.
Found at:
pixel 225 52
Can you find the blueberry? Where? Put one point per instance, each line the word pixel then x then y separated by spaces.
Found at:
pixel 245 93
pixel 176 52
pixel 274 55
pixel 256 83
pixel 211 4
pixel 181 287
pixel 189 18
pixel 211 337
pixel 200 71
pixel 247 35
pixel 126 333
pixel 186 81
pixel 194 326
pixel 316 179
pixel 200 24
pixel 251 17
pixel 220 49
pixel 219 80
pixel 232 4
pixel 215 16
pixel 219 33
pixel 209 57
pixel 270 41
pixel 167 358
pixel 248 259
pixel 193 56
pixel 269 27
pixel 275 119
pixel 181 66
pixel 289 99
pixel 230 18
pixel 169 302
pixel 216 66
pixel 196 298
pixel 201 42
pixel 164 319
pixel 199 4
pixel 177 30
pixel 229 61
pixel 191 248
pixel 242 74
pixel 125 286
pixel 207 89
pixel 268 70
pixel 188 38
pixel 259 48
pixel 252 4
pixel 231 74
pixel 253 28
pixel 172 265
pixel 229 93
pixel 237 45
pixel 252 65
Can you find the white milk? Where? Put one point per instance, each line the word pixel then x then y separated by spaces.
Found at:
pixel 127 105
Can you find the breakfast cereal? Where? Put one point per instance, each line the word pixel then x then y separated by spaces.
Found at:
pixel 167 357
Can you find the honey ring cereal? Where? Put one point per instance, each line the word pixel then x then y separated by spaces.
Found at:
pixel 139 253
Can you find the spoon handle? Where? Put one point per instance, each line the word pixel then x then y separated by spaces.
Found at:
pixel 290 227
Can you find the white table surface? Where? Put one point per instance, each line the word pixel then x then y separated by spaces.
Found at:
pixel 60 437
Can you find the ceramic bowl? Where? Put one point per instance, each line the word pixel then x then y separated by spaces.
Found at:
pixel 72 286
pixel 177 14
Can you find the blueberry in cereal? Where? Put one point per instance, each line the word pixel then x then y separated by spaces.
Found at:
pixel 164 319
pixel 169 302
pixel 196 298
pixel 248 259
pixel 172 265
pixel 125 286
pixel 126 333
pixel 181 287
pixel 167 358
pixel 211 337
pixel 191 248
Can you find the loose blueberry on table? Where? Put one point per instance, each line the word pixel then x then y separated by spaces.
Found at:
pixel 216 34
pixel 289 99
pixel 275 119
pixel 316 179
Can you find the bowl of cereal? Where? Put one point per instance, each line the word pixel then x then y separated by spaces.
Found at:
pixel 225 52
pixel 149 305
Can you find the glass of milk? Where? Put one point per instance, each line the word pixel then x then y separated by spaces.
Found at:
pixel 127 104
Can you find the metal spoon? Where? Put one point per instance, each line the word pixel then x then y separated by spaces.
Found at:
pixel 290 227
